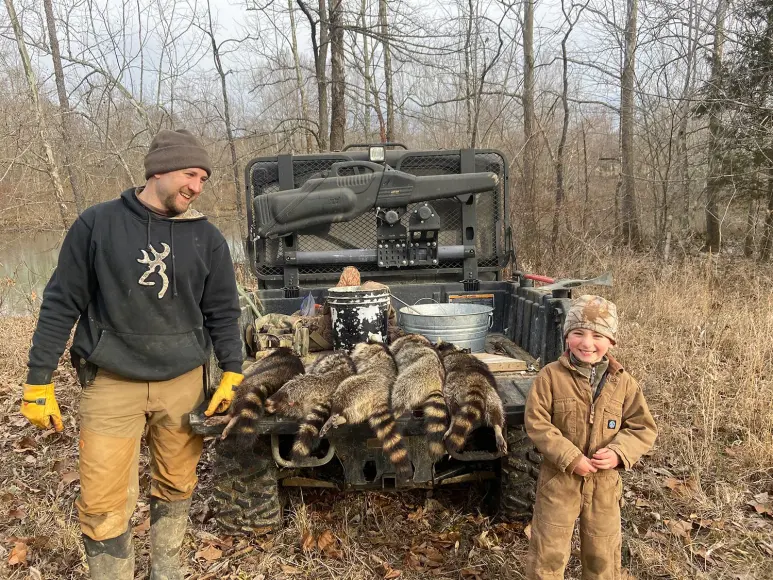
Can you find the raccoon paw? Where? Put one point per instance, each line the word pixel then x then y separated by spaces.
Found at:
pixel 334 421
pixel 501 444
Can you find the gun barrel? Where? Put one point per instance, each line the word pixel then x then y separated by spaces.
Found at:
pixel 429 187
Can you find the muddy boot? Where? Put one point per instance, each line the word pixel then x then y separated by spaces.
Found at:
pixel 168 520
pixel 111 559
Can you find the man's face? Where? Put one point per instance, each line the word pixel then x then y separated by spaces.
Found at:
pixel 176 190
pixel 587 346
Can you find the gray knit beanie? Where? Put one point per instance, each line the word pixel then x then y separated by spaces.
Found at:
pixel 173 150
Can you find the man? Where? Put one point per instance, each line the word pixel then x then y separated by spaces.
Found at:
pixel 151 284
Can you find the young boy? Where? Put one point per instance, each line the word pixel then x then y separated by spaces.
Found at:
pixel 587 416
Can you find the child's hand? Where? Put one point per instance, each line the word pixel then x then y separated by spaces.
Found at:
pixel 605 458
pixel 584 467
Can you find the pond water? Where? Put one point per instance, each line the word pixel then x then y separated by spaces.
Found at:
pixel 27 261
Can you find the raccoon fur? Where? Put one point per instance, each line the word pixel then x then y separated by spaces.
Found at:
pixel 263 379
pixel 365 397
pixel 471 395
pixel 419 383
pixel 306 398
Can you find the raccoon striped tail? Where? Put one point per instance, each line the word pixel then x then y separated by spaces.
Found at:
pixel 248 408
pixel 462 424
pixel 435 424
pixel 383 424
pixel 308 430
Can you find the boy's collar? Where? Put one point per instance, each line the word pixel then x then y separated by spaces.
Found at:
pixel 614 366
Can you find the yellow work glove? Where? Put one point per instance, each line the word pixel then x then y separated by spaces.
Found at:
pixel 39 405
pixel 224 394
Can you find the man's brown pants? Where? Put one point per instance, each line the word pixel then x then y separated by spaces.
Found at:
pixel 114 413
pixel 561 498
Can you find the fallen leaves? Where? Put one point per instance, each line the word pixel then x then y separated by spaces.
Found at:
pixel 142 528
pixel 210 553
pixel 423 556
pixel 326 542
pixel 679 528
pixel 18 554
pixel 762 504
pixel 683 488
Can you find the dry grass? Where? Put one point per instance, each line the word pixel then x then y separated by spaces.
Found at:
pixel 698 335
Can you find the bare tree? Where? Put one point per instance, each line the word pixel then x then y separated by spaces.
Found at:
pixel 630 218
pixel 217 48
pixel 714 177
pixel 529 142
pixel 51 167
pixel 299 79
pixel 571 17
pixel 319 50
pixel 64 106
pixel 388 80
pixel 337 77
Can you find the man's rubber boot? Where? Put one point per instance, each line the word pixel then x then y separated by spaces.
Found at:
pixel 168 520
pixel 111 559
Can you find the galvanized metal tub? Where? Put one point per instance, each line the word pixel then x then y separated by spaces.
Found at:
pixel 465 325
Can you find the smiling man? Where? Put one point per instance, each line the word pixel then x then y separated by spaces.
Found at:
pixel 151 285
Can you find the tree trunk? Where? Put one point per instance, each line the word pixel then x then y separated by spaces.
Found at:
pixel 748 238
pixel 337 77
pixel 630 219
pixel 714 178
pixel 390 99
pixel 560 192
pixel 321 69
pixel 366 80
pixel 64 106
pixel 228 129
pixel 469 93
pixel 684 117
pixel 299 81
pixel 51 168
pixel 767 232
pixel 586 180
pixel 529 144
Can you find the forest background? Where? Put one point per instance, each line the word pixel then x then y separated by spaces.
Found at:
pixel 639 139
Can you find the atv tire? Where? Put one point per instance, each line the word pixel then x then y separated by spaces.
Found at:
pixel 245 499
pixel 518 476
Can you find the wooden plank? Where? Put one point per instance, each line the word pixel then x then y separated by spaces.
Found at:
pixel 498 363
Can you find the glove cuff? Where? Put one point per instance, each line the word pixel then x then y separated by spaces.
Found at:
pixel 39 376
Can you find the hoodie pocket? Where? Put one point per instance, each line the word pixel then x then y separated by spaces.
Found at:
pixel 148 357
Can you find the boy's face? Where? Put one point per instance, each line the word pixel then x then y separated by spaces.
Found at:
pixel 587 346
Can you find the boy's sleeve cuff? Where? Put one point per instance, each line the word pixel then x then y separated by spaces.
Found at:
pixel 570 468
pixel 39 376
pixel 623 459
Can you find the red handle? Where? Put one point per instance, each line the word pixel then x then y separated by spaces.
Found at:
pixel 538 278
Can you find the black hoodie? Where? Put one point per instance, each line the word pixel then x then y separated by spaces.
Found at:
pixel 153 295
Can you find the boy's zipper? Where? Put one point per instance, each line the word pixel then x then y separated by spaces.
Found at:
pixel 591 380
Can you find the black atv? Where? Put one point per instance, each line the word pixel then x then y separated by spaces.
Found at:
pixel 430 225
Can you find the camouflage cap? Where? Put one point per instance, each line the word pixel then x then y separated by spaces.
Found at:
pixel 594 313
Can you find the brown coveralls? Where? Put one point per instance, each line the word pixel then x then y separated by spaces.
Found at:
pixel 565 423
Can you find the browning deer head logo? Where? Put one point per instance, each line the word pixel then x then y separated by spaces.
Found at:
pixel 155 264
